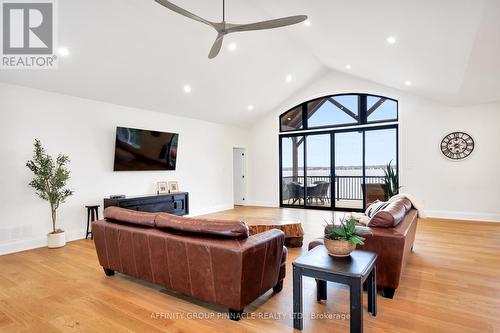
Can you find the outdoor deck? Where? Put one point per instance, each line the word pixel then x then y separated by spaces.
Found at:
pixel 348 204
pixel 347 191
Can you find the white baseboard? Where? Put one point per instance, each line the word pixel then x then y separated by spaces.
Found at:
pixel 22 245
pixel 211 210
pixel 34 243
pixel 71 235
pixel 468 216
pixel 262 203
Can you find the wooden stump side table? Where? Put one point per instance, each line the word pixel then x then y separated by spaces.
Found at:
pixel 294 234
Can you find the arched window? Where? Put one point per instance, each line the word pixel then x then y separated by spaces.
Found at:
pixel 339 110
pixel 338 151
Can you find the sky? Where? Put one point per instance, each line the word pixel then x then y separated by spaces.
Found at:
pixel 380 144
pixel 380 149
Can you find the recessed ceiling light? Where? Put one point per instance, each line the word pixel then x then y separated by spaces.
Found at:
pixel 250 107
pixel 391 39
pixel 187 88
pixel 347 66
pixel 408 83
pixel 63 52
pixel 289 78
pixel 307 23
pixel 289 118
pixel 232 46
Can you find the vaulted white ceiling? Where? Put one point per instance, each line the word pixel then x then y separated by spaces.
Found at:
pixel 137 53
pixel 448 49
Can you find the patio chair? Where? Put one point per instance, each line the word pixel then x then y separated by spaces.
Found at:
pixel 314 192
pixel 295 192
pixel 324 191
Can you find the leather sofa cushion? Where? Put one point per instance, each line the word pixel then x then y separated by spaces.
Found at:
pixel 407 203
pixel 221 228
pixel 130 216
pixel 390 215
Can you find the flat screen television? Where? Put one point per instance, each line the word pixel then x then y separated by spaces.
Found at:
pixel 140 150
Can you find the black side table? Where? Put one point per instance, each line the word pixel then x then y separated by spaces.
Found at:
pixel 353 271
pixel 92 215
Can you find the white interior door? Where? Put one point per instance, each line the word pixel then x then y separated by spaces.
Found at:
pixel 239 176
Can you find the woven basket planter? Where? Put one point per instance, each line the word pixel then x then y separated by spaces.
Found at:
pixel 339 248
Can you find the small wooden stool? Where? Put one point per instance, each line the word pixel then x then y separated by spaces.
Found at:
pixel 92 215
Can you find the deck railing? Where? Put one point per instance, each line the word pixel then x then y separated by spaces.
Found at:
pixel 345 187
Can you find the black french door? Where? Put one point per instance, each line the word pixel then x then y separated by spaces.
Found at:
pixel 331 169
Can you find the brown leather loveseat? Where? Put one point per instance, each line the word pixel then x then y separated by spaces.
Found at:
pixel 214 261
pixel 393 228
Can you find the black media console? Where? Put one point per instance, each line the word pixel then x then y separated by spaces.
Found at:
pixel 174 203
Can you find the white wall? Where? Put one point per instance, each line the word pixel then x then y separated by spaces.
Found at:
pixel 468 189
pixel 85 130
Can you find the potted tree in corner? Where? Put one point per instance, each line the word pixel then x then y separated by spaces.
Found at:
pixel 49 182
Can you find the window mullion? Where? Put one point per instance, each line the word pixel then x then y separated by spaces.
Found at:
pixel 363 117
pixel 305 116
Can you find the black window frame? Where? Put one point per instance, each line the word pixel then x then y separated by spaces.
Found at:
pixel 332 133
pixel 363 125
pixel 362 113
pixel 289 110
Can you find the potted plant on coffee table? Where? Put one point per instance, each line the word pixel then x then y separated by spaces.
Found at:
pixel 49 182
pixel 340 240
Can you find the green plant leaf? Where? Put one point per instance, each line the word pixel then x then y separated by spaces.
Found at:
pixel 391 181
pixel 357 240
pixel 351 225
pixel 339 232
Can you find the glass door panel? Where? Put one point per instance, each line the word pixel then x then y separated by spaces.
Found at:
pixel 318 170
pixel 380 149
pixel 348 170
pixel 292 170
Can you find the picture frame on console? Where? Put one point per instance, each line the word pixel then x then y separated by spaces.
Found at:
pixel 173 186
pixel 162 188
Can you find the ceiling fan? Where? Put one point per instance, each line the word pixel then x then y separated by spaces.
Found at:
pixel 224 28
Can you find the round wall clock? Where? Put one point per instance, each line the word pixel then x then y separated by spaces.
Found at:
pixel 457 145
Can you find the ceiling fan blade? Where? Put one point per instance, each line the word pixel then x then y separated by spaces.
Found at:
pixel 184 12
pixel 276 23
pixel 214 51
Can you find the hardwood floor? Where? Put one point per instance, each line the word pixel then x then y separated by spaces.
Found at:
pixel 451 284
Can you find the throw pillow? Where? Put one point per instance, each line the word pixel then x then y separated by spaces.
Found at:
pixel 376 206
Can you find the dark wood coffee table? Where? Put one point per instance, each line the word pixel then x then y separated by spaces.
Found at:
pixel 353 271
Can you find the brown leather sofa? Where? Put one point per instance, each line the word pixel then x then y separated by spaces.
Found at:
pixel 214 261
pixel 393 233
